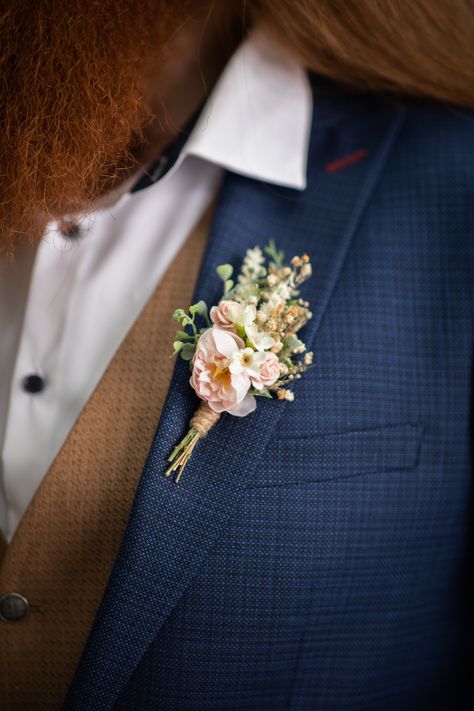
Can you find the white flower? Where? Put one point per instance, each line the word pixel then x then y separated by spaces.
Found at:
pixel 254 258
pixel 283 291
pixel 246 361
pixel 242 315
pixel 261 340
pixel 252 266
pixel 263 369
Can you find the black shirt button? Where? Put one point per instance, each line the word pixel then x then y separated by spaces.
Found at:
pixel 13 607
pixel 33 383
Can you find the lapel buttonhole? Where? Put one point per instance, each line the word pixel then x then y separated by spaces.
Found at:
pixel 343 162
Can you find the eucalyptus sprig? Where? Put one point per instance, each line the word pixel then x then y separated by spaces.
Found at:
pixel 185 341
pixel 225 271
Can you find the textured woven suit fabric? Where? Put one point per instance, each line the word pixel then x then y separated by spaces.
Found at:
pixel 315 555
pixel 61 554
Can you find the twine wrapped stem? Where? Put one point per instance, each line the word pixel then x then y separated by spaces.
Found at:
pixel 201 422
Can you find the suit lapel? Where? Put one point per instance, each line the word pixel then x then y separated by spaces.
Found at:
pixel 172 528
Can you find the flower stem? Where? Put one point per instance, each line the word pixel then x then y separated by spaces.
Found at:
pixel 203 419
pixel 180 455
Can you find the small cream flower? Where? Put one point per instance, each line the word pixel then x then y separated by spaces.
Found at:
pixel 246 361
pixel 283 291
pixel 242 315
pixel 254 258
pixel 261 340
pixel 261 368
pixel 252 266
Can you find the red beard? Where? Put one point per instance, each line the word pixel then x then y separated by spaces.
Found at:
pixel 73 108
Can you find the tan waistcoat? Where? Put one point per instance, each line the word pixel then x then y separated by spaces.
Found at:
pixel 63 550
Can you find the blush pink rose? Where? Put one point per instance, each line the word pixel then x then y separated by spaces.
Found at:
pixel 268 372
pixel 220 315
pixel 211 378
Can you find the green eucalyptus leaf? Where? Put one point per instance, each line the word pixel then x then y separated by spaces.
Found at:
pixel 225 271
pixel 187 351
pixel 199 308
pixel 180 335
pixel 177 345
pixel 178 315
pixel 228 285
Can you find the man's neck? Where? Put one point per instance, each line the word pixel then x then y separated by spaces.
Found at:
pixel 195 57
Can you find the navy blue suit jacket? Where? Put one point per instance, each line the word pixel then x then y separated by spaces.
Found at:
pixel 315 554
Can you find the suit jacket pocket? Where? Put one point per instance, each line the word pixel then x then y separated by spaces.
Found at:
pixel 389 448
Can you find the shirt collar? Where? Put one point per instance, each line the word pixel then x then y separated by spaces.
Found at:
pixel 256 121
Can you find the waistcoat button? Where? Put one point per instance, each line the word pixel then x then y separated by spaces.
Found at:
pixel 13 607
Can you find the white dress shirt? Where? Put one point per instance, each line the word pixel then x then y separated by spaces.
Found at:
pixel 66 306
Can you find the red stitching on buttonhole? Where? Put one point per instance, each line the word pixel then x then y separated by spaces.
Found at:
pixel 345 161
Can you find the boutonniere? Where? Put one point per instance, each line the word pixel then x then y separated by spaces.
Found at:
pixel 246 346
